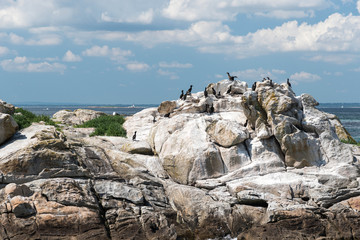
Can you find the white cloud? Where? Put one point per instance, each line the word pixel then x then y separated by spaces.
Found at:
pixel 115 54
pixel 3 50
pixel 340 59
pixel 175 65
pixel 137 67
pixel 171 75
pixel 259 74
pixel 71 57
pixel 304 77
pixel 23 64
pixel 195 10
pixel 145 17
pixel 37 40
pixel 358 6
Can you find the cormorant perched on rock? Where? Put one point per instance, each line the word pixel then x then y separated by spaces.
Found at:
pixel 184 97
pixel 229 90
pixel 214 92
pixel 182 94
pixel 231 78
pixel 211 109
pixel 264 79
pixel 218 95
pixel 205 93
pixel 246 123
pixel 288 82
pixel 253 86
pixel 188 92
pixel 134 136
pixel 154 120
pixel 167 115
pixel 271 83
pixel 206 107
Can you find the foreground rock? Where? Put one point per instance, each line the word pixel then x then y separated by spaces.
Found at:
pixel 265 165
pixel 8 127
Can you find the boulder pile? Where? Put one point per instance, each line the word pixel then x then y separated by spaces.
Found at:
pixel 264 164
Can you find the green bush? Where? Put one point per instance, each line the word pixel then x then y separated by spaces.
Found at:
pixel 26 118
pixel 106 125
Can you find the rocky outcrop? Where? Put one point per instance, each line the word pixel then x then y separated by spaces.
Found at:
pixel 6 107
pixel 76 117
pixel 265 165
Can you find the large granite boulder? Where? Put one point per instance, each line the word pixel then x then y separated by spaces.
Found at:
pixel 76 117
pixel 8 127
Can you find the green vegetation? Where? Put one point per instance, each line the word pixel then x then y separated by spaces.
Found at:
pixel 25 118
pixel 106 125
pixel 350 142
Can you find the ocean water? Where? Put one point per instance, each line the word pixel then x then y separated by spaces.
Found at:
pixel 349 116
pixel 49 110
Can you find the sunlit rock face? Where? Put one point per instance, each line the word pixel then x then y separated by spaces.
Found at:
pixel 240 163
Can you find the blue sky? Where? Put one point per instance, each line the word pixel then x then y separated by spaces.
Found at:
pixel 140 51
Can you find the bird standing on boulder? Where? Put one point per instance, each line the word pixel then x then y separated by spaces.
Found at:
pixel 182 94
pixel 288 82
pixel 231 78
pixel 253 86
pixel 229 90
pixel 205 93
pixel 211 110
pixel 134 136
pixel 188 92
pixel 213 91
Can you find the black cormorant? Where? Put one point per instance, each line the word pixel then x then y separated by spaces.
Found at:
pixel 231 78
pixel 213 91
pixel 167 115
pixel 182 94
pixel 205 93
pixel 253 86
pixel 288 82
pixel 211 110
pixel 134 136
pixel 229 90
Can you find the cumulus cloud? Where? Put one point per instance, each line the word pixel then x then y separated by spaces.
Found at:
pixel 115 54
pixel 334 34
pixel 304 77
pixel 71 57
pixel 195 10
pixel 170 74
pixel 145 17
pixel 175 65
pixel 3 50
pixel 340 59
pixel 23 64
pixel 258 74
pixel 137 67
pixel 44 39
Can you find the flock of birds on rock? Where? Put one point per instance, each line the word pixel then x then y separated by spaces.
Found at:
pixel 210 109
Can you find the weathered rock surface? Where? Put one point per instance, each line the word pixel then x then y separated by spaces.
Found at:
pixel 6 107
pixel 265 165
pixel 8 127
pixel 76 117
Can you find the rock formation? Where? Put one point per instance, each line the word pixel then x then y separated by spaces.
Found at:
pixel 265 165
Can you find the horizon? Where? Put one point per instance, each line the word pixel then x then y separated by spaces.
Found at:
pixel 136 52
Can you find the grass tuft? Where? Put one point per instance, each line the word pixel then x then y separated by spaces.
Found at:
pixel 106 125
pixel 26 118
pixel 350 142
